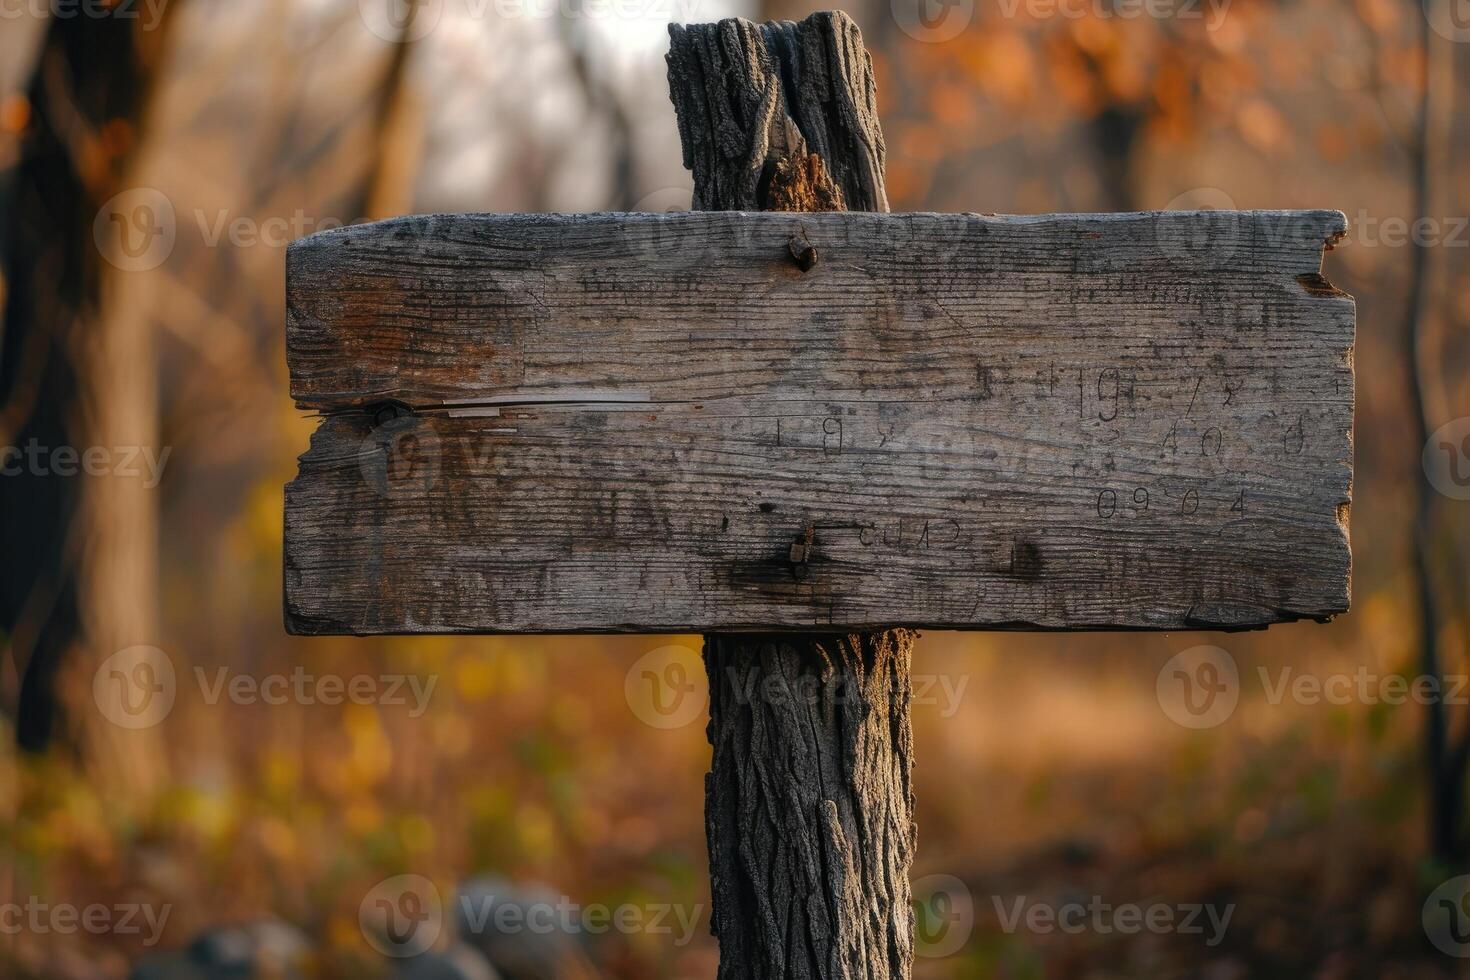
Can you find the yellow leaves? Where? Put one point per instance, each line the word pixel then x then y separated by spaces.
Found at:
pixel 1262 126
pixel 953 104
pixel 1402 67
pixel 280 774
pixel 40 839
pixel 452 735
pixel 477 677
pixel 343 932
pixel 488 804
pixel 1074 82
pixel 278 839
pixel 363 817
pixel 480 674
pixel 906 185
pixel 536 831
pixel 569 715
pixel 371 755
pixel 59 813
pixel 1176 114
pixel 210 812
pixel 416 834
pixel 1386 627
pixel 1094 37
pixel 1229 36
pixel 1126 79
pixel 1224 82
pixel 1005 67
pixel 1094 63
pixel 920 141
pixel 1381 16
pixel 1333 142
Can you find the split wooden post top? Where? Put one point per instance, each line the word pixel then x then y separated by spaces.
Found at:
pixel 736 421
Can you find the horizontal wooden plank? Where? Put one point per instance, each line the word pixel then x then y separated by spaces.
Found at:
pixel 662 423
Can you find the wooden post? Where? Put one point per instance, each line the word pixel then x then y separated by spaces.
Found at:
pixel 809 800
pixel 810 427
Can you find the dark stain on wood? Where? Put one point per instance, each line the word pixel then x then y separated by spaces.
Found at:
pixel 1025 561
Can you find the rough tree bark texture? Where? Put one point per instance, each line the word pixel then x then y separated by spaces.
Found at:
pixel 809 799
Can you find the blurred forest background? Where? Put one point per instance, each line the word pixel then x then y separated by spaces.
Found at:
pixel 1055 769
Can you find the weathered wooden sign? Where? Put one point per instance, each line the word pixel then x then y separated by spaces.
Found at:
pixel 736 421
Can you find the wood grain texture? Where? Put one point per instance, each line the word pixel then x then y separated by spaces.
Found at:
pixel 659 423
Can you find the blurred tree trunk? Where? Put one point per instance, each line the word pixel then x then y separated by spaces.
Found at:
pixel 603 98
pixel 1115 132
pixel 71 376
pixel 388 190
pixel 809 798
pixel 1446 756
